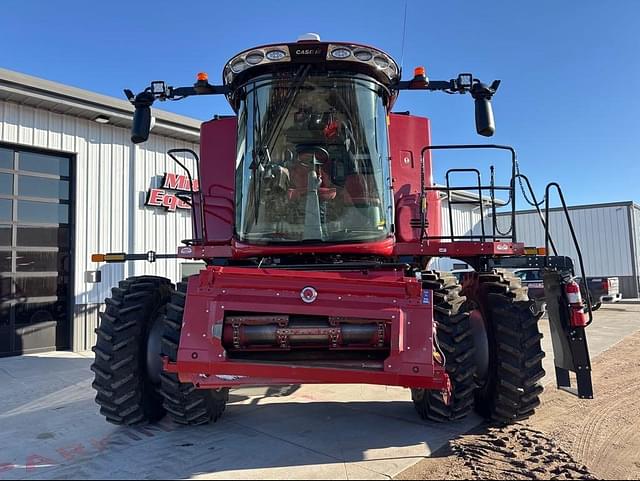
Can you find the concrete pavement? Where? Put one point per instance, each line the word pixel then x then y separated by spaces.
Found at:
pixel 50 427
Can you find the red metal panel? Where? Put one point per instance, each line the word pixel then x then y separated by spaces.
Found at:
pixel 387 296
pixel 460 249
pixel 379 248
pixel 240 250
pixel 408 135
pixel 218 165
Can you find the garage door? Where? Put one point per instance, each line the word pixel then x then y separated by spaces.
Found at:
pixel 35 251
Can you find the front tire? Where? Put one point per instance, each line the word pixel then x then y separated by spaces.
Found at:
pixel 126 392
pixel 510 389
pixel 185 403
pixel 455 340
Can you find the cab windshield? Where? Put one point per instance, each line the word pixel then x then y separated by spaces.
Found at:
pixel 312 162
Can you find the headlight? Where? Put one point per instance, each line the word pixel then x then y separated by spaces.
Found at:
pixel 381 62
pixel 340 53
pixel 363 55
pixel 369 56
pixel 254 58
pixel 238 66
pixel 276 54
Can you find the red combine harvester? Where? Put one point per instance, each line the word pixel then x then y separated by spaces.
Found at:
pixel 317 217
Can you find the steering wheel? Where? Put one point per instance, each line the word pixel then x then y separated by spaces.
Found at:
pixel 312 149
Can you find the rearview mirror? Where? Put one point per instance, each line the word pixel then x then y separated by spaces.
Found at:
pixel 485 124
pixel 141 125
pixel 482 93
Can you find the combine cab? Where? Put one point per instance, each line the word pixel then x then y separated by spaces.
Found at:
pixel 317 218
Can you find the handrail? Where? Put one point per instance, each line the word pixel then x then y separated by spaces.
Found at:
pixel 537 207
pixel 200 194
pixel 573 236
pixel 492 188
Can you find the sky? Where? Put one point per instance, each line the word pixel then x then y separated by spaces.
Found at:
pixel 569 69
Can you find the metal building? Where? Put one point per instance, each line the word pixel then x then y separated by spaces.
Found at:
pixel 608 235
pixel 69 177
pixel 465 218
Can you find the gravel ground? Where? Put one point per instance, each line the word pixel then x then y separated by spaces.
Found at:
pixel 568 438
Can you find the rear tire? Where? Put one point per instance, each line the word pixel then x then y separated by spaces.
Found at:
pixel 455 340
pixel 511 389
pixel 184 403
pixel 126 393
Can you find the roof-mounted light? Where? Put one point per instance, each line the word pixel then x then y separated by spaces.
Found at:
pixel 368 55
pixel 239 65
pixel 340 53
pixel 252 58
pixel 380 61
pixel 363 55
pixel 276 54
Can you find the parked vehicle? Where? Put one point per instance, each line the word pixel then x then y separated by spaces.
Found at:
pixel 533 279
pixel 601 289
pixel 461 273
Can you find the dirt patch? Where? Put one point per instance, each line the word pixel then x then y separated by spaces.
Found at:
pixel 568 438
pixel 513 452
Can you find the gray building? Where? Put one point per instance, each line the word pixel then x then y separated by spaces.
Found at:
pixel 608 235
pixel 72 184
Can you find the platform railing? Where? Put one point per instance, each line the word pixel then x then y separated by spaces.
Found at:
pixel 478 189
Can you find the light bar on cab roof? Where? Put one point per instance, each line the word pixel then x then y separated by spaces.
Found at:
pixel 336 52
pixel 257 56
pixel 368 55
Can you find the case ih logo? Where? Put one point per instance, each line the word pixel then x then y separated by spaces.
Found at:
pixel 308 51
pixel 169 200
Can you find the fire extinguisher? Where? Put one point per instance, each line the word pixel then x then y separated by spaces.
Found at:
pixel 578 317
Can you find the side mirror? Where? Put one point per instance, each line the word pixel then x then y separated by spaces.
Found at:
pixel 482 93
pixel 485 124
pixel 141 117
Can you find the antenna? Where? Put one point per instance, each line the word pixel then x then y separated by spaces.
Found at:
pixel 404 36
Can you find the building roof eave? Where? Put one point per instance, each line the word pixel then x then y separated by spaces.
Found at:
pixel 32 91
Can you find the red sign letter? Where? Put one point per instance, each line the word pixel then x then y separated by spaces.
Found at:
pixel 172 181
pixel 156 197
pixel 170 201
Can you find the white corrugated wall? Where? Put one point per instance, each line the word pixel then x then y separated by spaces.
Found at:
pixel 111 179
pixel 466 222
pixel 466 219
pixel 602 232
